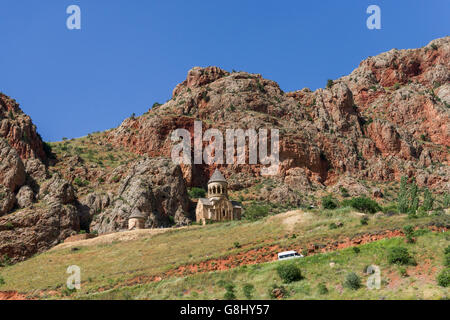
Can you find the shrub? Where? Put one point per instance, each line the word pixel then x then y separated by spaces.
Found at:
pixel 80 182
pixel 428 200
pixel 446 202
pixel 2 281
pixel 352 281
pixel 344 192
pixel 403 196
pixel 248 290
pixel 401 256
pixel 260 86
pixel 332 226
pixel 356 250
pixel 364 221
pixel 414 199
pixel 196 193
pixel 447 250
pixel 447 260
pixel 390 209
pixel 409 233
pixel 329 83
pixel 256 212
pixel 229 294
pixel 403 272
pixel 364 204
pixel 237 245
pixel 322 289
pixel 443 279
pixel 289 272
pixel 328 202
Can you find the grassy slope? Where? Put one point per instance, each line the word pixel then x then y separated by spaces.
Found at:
pixel 419 284
pixel 110 265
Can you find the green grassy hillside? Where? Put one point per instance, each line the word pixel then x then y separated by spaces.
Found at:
pixel 237 251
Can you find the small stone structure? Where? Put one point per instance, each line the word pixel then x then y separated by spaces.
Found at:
pixel 217 207
pixel 136 221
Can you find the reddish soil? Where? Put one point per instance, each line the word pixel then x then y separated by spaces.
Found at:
pixel 11 295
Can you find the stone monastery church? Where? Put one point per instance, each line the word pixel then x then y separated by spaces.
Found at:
pixel 217 207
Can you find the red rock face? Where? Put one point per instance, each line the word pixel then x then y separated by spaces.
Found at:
pixel 389 114
pixel 18 129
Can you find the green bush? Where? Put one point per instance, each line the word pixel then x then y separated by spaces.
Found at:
pixel 2 281
pixel 364 221
pixel 229 294
pixel 196 193
pixel 248 290
pixel 401 256
pixel 332 226
pixel 356 250
pixel 289 272
pixel 329 83
pixel 363 204
pixel 447 260
pixel 344 192
pixel 390 209
pixel 409 233
pixel 352 281
pixel 403 272
pixel 237 245
pixel 443 279
pixel 328 202
pixel 322 289
pixel 428 200
pixel 80 182
pixel 255 212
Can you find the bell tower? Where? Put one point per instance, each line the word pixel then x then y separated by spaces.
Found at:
pixel 217 186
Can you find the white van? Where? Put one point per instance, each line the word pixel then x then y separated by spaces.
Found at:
pixel 289 255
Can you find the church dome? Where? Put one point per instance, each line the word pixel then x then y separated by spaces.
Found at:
pixel 217 177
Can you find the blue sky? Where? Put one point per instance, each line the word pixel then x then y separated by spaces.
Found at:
pixel 132 53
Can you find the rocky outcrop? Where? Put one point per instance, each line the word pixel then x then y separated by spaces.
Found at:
pixel 57 190
pixel 388 118
pixel 12 170
pixel 7 200
pixel 154 188
pixel 18 129
pixel 36 230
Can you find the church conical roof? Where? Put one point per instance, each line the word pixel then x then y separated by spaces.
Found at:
pixel 217 177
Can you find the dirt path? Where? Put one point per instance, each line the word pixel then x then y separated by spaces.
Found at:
pixel 117 236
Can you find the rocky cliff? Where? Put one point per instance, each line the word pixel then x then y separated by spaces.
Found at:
pixel 388 118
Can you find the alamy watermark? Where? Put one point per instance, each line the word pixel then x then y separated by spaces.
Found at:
pixel 374 281
pixel 74 20
pixel 374 20
pixel 235 151
pixel 74 280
